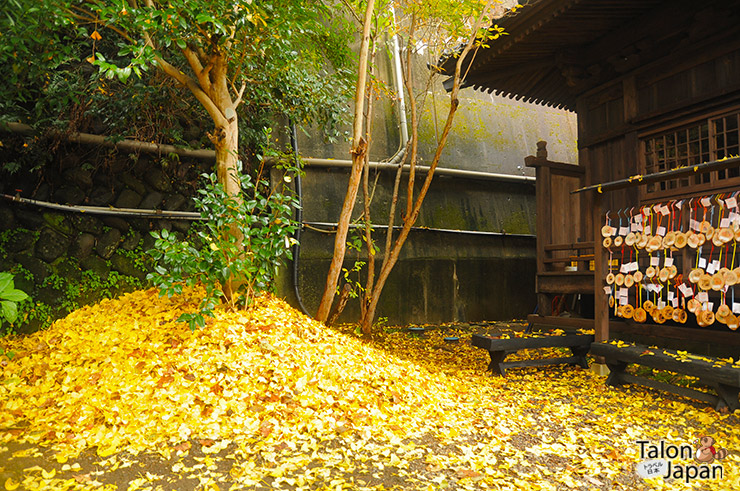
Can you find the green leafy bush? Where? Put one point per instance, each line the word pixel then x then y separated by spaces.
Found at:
pixel 9 299
pixel 67 288
pixel 241 240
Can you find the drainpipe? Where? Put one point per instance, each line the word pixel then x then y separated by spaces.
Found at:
pixel 440 171
pixel 298 218
pixel 398 82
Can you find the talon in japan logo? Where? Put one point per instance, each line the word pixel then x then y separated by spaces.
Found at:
pixel 683 462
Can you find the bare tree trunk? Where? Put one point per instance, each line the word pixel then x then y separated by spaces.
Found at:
pixel 390 260
pixel 408 82
pixel 359 148
pixel 226 141
pixel 366 198
pixel 339 307
pixel 413 211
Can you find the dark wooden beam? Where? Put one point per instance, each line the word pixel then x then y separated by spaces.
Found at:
pixel 531 342
pixel 665 359
pixel 635 181
pixel 663 331
pixel 557 167
pixel 564 322
pixel 560 282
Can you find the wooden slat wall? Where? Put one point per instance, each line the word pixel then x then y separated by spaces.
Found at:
pixel 566 211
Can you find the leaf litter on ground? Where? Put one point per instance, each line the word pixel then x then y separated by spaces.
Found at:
pixel 122 396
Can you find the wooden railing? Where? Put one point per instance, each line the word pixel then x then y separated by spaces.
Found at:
pixel 579 256
pixel 564 259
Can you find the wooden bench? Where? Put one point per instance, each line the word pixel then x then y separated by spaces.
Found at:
pixel 500 348
pixel 722 376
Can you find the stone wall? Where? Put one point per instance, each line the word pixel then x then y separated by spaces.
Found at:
pixel 49 250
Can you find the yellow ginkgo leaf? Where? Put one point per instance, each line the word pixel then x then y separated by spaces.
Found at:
pixel 10 484
pixel 106 451
pixel 48 475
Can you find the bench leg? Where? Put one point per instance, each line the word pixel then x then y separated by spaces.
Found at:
pixel 616 369
pixel 496 365
pixel 580 352
pixel 728 397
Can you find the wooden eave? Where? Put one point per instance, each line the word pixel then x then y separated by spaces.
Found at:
pixel 542 59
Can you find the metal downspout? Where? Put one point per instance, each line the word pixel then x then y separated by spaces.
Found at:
pixel 398 82
pixel 298 218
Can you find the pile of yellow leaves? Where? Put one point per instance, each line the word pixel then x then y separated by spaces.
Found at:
pixel 275 399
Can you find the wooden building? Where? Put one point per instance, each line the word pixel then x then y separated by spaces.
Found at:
pixel 656 87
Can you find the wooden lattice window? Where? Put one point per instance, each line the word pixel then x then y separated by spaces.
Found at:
pixel 701 141
pixel 726 137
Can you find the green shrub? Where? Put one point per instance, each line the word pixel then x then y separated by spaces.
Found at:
pixel 214 256
pixel 9 299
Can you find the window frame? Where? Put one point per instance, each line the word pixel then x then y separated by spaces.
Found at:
pixel 715 182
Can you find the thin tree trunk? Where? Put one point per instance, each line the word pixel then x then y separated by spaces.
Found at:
pixel 390 261
pixel 359 148
pixel 410 219
pixel 366 198
pixel 408 82
pixel 339 306
pixel 394 203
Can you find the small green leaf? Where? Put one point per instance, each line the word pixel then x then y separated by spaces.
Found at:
pixel 13 295
pixel 10 311
pixel 6 282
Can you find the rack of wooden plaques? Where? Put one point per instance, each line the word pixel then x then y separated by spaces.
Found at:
pixel 675 262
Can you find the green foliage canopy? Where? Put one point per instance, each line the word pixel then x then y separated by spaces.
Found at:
pixel 267 58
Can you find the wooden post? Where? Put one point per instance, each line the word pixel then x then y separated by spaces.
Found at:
pixel 544 232
pixel 601 305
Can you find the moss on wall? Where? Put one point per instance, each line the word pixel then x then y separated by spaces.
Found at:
pixel 517 223
pixel 449 215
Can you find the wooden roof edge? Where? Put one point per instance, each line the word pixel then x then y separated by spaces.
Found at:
pixel 511 20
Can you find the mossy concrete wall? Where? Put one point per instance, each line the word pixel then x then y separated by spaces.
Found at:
pixel 489 133
pixel 440 277
pixel 451 202
pixel 472 258
pixel 445 276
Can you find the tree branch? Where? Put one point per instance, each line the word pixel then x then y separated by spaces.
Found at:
pixel 394 202
pixel 408 82
pixel 210 106
pixel 241 60
pixel 239 94
pixel 197 67
pixel 94 20
pixel 352 11
pixel 219 80
pixel 366 196
pixel 388 265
